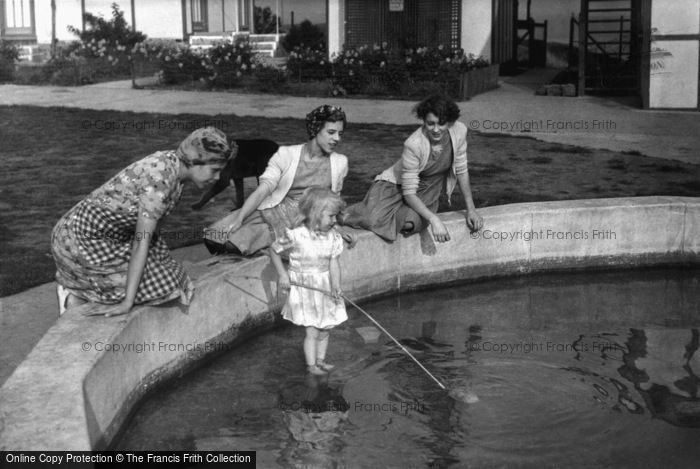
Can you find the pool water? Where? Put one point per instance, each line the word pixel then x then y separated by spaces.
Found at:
pixel 579 369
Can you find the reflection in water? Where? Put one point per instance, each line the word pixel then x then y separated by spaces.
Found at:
pixel 660 365
pixel 596 370
pixel 315 414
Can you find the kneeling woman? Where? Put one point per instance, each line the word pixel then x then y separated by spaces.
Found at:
pixel 404 198
pixel 107 248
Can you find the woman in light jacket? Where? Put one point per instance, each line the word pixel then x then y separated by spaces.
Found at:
pixel 404 198
pixel 273 206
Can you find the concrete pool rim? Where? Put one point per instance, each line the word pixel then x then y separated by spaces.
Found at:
pixel 72 394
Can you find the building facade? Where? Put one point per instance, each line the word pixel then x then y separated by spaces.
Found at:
pixel 663 36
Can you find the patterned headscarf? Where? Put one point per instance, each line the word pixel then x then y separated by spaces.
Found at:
pixel 316 119
pixel 206 145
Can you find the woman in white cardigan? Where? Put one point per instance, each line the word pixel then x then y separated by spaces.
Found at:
pixel 273 206
pixel 404 198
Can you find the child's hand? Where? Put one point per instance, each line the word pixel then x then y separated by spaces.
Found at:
pixel 336 293
pixel 284 282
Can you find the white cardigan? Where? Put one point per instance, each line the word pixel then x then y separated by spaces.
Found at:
pixel 280 171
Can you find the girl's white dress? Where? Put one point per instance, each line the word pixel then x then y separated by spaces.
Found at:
pixel 310 253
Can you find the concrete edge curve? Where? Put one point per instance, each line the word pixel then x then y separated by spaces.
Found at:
pixel 81 381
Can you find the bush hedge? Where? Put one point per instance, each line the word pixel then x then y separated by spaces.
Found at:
pixel 9 55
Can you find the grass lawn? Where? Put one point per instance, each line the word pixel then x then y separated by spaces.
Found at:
pixel 53 157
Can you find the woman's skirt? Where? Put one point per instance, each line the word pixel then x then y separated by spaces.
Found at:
pixel 259 229
pixel 385 212
pixel 92 248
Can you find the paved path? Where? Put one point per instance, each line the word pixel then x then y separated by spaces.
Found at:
pixel 512 108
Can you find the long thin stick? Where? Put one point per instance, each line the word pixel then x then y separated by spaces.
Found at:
pixel 442 386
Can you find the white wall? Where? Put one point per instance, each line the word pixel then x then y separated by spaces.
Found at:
pixel 67 13
pixel 476 27
pixel 336 26
pixel 159 19
pixel 155 18
pixel 673 80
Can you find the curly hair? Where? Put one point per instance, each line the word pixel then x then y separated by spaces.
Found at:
pixel 316 119
pixel 444 108
pixel 314 201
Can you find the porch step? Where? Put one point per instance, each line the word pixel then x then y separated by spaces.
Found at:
pixel 261 44
pixel 34 53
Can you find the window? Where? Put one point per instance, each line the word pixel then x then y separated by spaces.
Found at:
pixel 199 16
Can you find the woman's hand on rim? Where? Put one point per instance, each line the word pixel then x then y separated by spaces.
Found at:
pixel 474 221
pixel 439 230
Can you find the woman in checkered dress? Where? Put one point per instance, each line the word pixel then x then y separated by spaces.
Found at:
pixel 107 249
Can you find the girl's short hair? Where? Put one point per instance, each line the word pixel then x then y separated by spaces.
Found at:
pixel 444 108
pixel 314 201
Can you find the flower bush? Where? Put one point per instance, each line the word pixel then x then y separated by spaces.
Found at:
pixel 351 69
pixel 308 64
pixel 9 55
pixel 378 69
pixel 375 70
pixel 230 61
pixel 107 41
pixel 221 65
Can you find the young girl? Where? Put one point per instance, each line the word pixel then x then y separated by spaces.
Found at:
pixel 314 247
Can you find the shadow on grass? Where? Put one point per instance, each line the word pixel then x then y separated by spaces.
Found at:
pixel 53 157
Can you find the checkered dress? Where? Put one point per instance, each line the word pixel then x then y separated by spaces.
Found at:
pixel 92 243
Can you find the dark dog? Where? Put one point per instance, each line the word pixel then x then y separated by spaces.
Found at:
pixel 250 160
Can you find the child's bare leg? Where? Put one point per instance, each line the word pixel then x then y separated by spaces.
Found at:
pixel 310 350
pixel 310 345
pixel 321 347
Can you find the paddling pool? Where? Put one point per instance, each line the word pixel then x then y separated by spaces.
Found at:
pixel 584 369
